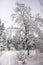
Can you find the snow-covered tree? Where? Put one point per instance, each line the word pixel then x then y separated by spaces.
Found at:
pixel 2 36
pixel 29 25
pixel 22 16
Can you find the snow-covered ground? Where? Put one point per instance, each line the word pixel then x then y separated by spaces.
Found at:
pixel 10 58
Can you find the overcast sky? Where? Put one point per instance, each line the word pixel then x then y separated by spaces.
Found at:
pixel 7 6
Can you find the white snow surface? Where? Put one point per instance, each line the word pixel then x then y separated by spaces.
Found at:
pixel 9 58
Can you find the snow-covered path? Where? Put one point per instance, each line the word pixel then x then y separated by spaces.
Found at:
pixel 9 58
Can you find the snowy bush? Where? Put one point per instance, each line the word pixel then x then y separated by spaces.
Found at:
pixel 21 57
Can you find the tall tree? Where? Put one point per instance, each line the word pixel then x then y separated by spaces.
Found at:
pixel 22 16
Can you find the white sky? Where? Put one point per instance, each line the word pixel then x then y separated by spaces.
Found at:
pixel 7 6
